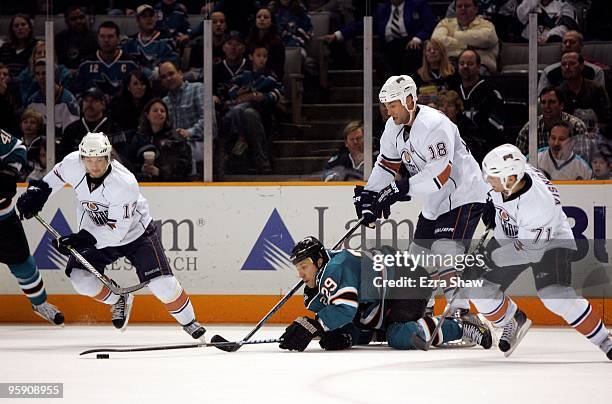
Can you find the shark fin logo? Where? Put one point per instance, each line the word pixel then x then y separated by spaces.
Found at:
pixel 45 255
pixel 273 247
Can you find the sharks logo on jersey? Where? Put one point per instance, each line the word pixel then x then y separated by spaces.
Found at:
pixel 98 213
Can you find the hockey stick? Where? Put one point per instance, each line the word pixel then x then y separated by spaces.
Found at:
pixel 181 346
pixel 232 347
pixel 416 339
pixel 105 280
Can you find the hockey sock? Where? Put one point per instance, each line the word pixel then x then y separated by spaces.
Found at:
pixel 30 280
pixel 170 292
pixel 575 310
pixel 449 331
pixel 498 311
pixel 87 284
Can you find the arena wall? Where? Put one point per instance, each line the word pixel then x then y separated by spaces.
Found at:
pixel 228 244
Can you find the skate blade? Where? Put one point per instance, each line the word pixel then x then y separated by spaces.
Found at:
pixel 519 337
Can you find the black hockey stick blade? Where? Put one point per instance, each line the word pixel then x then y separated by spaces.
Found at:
pixel 224 344
pixel 179 346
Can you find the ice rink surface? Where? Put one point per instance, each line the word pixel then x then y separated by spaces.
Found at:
pixel 552 365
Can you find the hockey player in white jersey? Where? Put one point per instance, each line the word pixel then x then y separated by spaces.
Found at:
pixel 114 222
pixel 442 173
pixel 531 230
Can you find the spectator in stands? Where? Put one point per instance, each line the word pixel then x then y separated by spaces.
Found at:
pixel 10 101
pixel 219 36
pixel 435 73
pixel 174 22
pixel 581 93
pixel 126 108
pixel 347 164
pixel 66 105
pixel 338 10
pixel 185 102
pixel 233 64
pixel 172 154
pixel 147 47
pixel 253 97
pixel 555 18
pixel 77 41
pixel 482 103
pixel 294 23
pixel 572 42
pixel 108 67
pixel 558 161
pixel 93 120
pixel 450 104
pixel 265 32
pixel 37 159
pixel 16 52
pixel 552 106
pixel 402 26
pixel 31 126
pixel 469 31
pixel 601 167
pixel 239 14
pixel 26 79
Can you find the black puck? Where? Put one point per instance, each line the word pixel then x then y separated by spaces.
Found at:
pixel 102 356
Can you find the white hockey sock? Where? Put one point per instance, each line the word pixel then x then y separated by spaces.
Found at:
pixel 575 310
pixel 87 284
pixel 170 292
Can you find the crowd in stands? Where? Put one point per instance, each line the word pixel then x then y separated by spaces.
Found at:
pixel 144 88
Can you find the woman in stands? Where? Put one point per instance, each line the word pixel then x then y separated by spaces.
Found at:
pixel 16 52
pixel 265 32
pixel 157 152
pixel 126 108
pixel 435 73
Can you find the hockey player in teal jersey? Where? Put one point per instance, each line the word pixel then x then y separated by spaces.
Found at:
pixel 349 309
pixel 14 249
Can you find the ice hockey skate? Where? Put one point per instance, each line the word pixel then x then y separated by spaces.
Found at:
pixel 606 346
pixel 196 330
pixel 514 332
pixel 477 334
pixel 121 311
pixel 49 312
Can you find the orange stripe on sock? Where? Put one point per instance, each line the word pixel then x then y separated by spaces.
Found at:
pixel 178 303
pixel 588 324
pixel 103 295
pixel 499 313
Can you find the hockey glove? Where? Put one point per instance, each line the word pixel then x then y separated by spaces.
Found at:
pixel 396 191
pixel 32 201
pixel 369 207
pixel 8 183
pixel 80 241
pixel 299 334
pixel 336 340
pixel 488 214
pixel 357 200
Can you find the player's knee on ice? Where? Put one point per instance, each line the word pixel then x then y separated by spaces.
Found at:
pixel 399 334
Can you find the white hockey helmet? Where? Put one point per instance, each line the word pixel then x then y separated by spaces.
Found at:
pixel 95 145
pixel 504 161
pixel 398 88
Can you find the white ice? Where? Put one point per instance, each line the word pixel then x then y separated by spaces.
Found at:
pixel 552 365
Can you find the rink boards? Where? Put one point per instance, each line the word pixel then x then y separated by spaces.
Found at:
pixel 229 246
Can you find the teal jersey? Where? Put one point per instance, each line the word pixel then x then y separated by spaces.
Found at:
pixel 13 158
pixel 337 301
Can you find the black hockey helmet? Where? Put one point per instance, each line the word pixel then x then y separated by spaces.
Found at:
pixel 310 247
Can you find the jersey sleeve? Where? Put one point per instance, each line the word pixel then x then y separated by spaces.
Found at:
pixel 338 288
pixel 12 152
pixel 438 153
pixel 388 162
pixel 121 212
pixel 58 176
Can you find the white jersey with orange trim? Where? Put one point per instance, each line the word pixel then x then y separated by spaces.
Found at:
pixel 442 170
pixel 114 212
pixel 530 222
